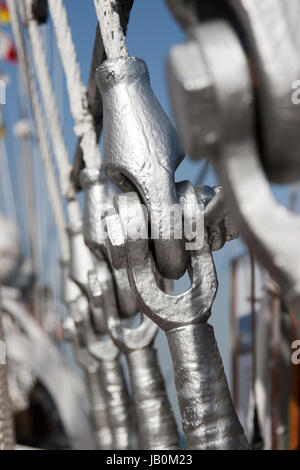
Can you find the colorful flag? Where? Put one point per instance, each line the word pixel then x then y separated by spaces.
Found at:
pixel 4 13
pixel 7 48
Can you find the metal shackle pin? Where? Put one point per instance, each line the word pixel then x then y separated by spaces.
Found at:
pixel 80 257
pixel 141 150
pixel 208 415
pixel 98 195
pixel 156 426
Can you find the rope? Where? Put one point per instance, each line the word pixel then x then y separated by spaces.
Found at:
pixel 40 124
pixel 47 92
pixel 108 13
pixel 49 101
pixel 84 125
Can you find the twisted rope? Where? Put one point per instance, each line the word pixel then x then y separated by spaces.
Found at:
pixel 84 124
pixel 49 102
pixel 40 125
pixel 108 13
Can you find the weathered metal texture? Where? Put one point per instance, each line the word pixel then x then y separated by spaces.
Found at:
pixel 141 150
pixel 116 393
pixel 156 426
pixel 225 97
pixel 95 389
pixel 208 416
pixel 98 195
pixel 91 351
pixel 98 405
pixel 80 257
pixel 270 35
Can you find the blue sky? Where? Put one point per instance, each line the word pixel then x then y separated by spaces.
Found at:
pixel 151 33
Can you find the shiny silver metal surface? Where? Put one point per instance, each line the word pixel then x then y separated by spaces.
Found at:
pixel 230 140
pixel 95 390
pixel 141 150
pixel 80 257
pixel 98 195
pixel 156 426
pixel 208 415
pixel 99 356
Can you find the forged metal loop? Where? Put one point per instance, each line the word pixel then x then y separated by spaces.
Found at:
pixel 181 316
pixel 156 423
pixel 141 151
pixel 98 195
pixel 80 257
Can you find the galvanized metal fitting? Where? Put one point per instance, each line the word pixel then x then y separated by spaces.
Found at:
pixel 199 374
pixel 80 257
pixel 96 203
pixel 141 150
pixel 98 195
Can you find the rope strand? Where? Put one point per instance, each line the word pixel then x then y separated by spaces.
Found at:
pixel 49 101
pixel 84 124
pixel 40 124
pixel 111 30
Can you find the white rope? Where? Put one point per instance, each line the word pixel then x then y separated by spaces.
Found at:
pixel 49 101
pixel 40 124
pixel 111 31
pixel 39 57
pixel 84 125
